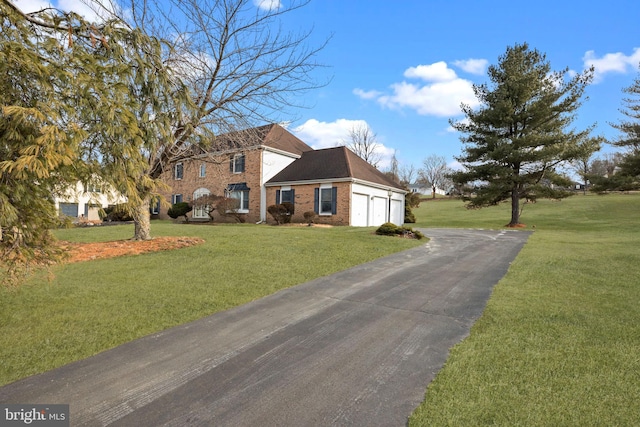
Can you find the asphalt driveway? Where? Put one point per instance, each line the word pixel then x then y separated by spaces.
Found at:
pixel 355 348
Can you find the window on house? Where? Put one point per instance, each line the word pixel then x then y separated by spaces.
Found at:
pixel 154 209
pixel 203 170
pixel 239 192
pixel 285 196
pixel 200 210
pixel 92 188
pixel 176 198
pixel 236 164
pixel 325 200
pixel 178 171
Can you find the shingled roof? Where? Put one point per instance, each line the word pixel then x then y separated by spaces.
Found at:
pixel 271 135
pixel 332 163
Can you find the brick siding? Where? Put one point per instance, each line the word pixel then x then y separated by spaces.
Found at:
pixel 218 177
pixel 304 202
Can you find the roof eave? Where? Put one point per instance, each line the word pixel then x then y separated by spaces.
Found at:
pixel 330 180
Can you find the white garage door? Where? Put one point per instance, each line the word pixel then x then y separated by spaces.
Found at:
pixel 360 210
pixel 397 213
pixel 69 209
pixel 379 211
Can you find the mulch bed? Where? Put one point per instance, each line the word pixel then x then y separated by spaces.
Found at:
pixel 89 251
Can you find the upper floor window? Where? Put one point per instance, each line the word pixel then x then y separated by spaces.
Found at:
pixel 92 188
pixel 203 170
pixel 236 163
pixel 178 171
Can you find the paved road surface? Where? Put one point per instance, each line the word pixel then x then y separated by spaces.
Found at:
pixel 355 348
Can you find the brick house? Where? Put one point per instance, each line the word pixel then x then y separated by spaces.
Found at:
pixel 340 187
pixel 240 165
pixel 265 165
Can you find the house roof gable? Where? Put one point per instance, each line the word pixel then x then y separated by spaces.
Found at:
pixel 271 135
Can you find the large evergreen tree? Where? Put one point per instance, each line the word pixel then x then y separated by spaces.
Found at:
pixel 78 102
pixel 627 175
pixel 519 136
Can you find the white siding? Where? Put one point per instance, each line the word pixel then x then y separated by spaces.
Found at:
pixel 85 201
pixel 378 204
pixel 272 163
pixel 360 210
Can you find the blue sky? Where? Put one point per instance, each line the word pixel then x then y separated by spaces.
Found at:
pixel 402 68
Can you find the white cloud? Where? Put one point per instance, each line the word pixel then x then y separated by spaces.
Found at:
pixel 440 95
pixel 473 66
pixel 451 129
pixel 456 166
pixel 29 6
pixel 440 99
pixel 437 72
pixel 611 63
pixel 268 4
pixel 321 135
pixel 366 94
pixel 91 11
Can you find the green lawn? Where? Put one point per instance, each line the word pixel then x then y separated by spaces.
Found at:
pixel 92 306
pixel 559 342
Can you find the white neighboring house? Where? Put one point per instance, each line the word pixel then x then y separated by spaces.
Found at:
pixel 425 189
pixel 85 203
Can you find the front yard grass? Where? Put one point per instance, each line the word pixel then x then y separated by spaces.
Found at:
pixel 559 341
pixel 91 306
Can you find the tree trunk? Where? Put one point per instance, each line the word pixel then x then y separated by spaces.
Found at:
pixel 515 208
pixel 142 220
pixel 433 191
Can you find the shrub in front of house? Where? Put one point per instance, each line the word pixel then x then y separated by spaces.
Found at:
pixel 309 216
pixel 180 209
pixel 390 229
pixel 282 212
pixel 116 213
pixel 229 207
pixel 290 210
pixel 409 217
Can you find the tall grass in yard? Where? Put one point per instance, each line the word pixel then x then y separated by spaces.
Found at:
pixel 559 341
pixel 92 306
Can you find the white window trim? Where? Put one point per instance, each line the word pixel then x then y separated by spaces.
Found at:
pixel 320 211
pixel 199 212
pixel 236 156
pixel 282 191
pixel 242 195
pixel 175 171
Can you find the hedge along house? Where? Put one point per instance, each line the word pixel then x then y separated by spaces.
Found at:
pixel 340 187
pixel 237 165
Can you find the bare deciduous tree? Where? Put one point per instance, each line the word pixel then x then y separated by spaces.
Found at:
pixel 408 174
pixel 241 69
pixel 363 142
pixel 434 172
